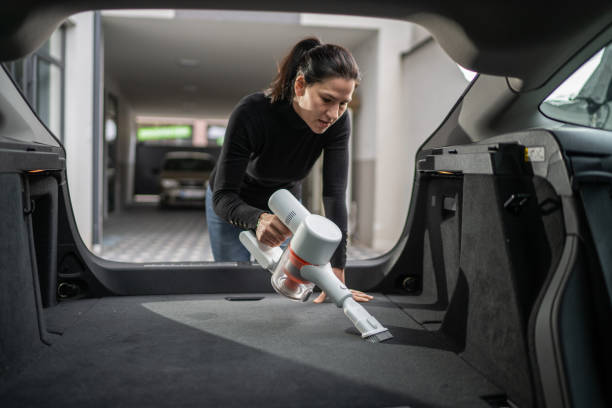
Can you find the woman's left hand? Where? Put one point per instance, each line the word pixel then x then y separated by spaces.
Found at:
pixel 357 295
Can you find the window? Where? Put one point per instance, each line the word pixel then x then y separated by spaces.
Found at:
pixel 216 135
pixel 585 98
pixel 40 76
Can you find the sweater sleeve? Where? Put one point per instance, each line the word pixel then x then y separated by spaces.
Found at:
pixel 335 176
pixel 238 146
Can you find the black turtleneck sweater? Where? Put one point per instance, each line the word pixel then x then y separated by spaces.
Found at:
pixel 268 147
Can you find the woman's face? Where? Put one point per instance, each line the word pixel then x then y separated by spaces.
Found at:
pixel 322 103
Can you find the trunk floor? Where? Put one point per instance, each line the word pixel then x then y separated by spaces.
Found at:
pixel 203 350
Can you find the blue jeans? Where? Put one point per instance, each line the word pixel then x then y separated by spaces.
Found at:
pixel 226 247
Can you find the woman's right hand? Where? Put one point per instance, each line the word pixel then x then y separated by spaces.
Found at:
pixel 271 230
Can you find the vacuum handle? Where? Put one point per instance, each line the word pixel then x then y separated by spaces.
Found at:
pixel 288 209
pixel 265 255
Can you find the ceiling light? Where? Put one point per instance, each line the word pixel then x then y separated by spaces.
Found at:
pixel 129 13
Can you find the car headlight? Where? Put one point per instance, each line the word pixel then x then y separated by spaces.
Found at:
pixel 169 183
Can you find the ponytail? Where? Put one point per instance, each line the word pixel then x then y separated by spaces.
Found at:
pixel 317 62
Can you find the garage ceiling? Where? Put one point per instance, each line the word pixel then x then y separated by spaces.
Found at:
pixel 200 63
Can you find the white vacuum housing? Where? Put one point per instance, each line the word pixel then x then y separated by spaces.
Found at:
pixel 305 262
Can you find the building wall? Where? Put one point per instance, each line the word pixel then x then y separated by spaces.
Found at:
pixel 432 83
pixel 364 141
pixel 78 136
pixel 391 147
pixel 429 86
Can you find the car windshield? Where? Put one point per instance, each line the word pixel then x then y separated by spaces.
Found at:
pixel 188 165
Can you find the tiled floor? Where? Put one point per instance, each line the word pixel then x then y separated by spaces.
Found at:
pixel 148 234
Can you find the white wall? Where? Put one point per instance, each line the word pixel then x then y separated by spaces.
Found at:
pixel 430 85
pixel 78 121
pixel 364 140
pixel 433 83
pixel 389 189
pixel 365 122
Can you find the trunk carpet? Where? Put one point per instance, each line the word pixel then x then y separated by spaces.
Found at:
pixel 203 350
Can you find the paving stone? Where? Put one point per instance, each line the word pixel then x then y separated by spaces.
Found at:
pixel 146 234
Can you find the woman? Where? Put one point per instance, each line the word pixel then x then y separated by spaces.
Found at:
pixel 272 141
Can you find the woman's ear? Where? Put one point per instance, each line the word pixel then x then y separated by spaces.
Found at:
pixel 299 86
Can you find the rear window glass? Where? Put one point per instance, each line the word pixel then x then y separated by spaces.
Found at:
pixel 585 98
pixel 188 165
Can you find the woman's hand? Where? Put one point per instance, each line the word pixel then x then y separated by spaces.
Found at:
pixel 271 231
pixel 357 295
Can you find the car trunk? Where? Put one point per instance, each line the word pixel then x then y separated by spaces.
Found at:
pixel 459 294
pixel 495 292
pixel 206 350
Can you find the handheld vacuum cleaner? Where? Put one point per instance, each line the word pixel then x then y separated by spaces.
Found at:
pixel 305 262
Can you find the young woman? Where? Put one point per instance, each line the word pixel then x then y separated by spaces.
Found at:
pixel 272 140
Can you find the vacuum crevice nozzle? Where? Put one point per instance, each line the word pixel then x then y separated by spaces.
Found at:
pixel 379 337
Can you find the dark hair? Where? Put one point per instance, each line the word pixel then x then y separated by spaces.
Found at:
pixel 317 62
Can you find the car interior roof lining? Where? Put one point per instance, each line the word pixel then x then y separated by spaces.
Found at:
pixel 524 42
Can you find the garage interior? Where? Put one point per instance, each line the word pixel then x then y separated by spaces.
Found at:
pixel 208 69
pixel 205 68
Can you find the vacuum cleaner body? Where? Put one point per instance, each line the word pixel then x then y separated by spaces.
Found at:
pixel 305 262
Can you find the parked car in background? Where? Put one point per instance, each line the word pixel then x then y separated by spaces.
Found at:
pixel 183 177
